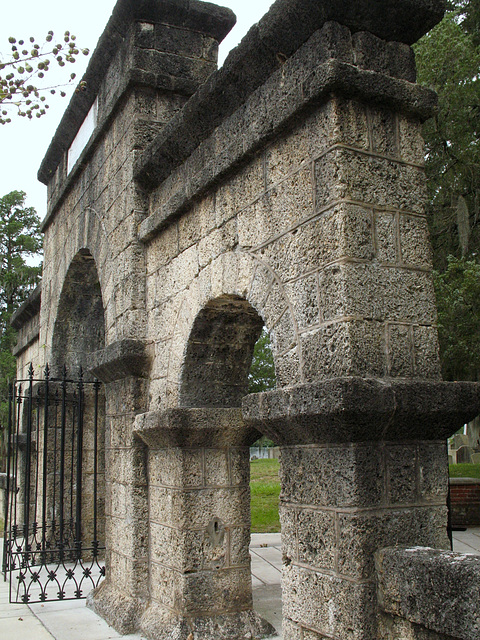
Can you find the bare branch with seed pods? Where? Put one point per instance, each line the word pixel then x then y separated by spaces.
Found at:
pixel 23 72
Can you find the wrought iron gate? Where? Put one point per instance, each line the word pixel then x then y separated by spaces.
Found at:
pixel 54 506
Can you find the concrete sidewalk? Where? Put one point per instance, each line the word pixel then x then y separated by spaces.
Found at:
pixel 71 620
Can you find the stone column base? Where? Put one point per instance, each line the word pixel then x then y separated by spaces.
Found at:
pixel 158 623
pixel 119 609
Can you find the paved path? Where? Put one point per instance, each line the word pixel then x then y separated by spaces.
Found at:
pixel 71 620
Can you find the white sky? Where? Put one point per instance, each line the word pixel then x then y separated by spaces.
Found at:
pixel 23 143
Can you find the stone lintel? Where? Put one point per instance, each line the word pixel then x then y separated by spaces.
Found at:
pixel 435 589
pixel 121 359
pixel 194 427
pixel 200 17
pixel 24 343
pixel 292 21
pixel 353 409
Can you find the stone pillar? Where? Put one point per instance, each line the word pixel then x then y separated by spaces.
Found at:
pixel 199 518
pixel 122 597
pixel 363 467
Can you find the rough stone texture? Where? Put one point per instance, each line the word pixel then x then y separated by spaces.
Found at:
pixel 438 591
pixel 286 190
pixel 360 410
pixel 199 523
pixel 339 506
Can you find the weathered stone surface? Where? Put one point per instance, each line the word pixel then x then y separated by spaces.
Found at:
pixel 193 427
pixel 120 360
pixel 285 190
pixel 361 409
pixel 247 624
pixel 437 590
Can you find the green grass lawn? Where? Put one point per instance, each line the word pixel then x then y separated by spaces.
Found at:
pixel 264 490
pixel 464 470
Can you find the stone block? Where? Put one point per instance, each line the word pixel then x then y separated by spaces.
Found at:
pixel 437 589
pixel 342 231
pixel 335 607
pixel 400 350
pixel 316 538
pixel 284 334
pixel 383 129
pixel 227 591
pixel 216 467
pixel 401 464
pixel 433 471
pixel 412 145
pixel 361 535
pixel 293 631
pixel 332 476
pixel 175 467
pixel 293 197
pixel 303 296
pixel 345 174
pixel 245 187
pixel 348 348
pixel 239 541
pixel 288 369
pixel 195 509
pixel 426 352
pixel 415 241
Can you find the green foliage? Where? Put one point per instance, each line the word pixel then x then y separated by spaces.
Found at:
pixel 264 496
pixel 458 301
pixel 448 61
pixel 27 64
pixel 262 371
pixel 464 470
pixel 262 375
pixel 20 239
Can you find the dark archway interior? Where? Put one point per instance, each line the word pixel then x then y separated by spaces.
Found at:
pixel 219 354
pixel 80 324
pixel 80 330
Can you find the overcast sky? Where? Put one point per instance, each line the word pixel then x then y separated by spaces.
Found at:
pixel 23 143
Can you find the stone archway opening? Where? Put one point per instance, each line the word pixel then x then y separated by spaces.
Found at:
pixel 219 354
pixel 212 449
pixel 79 331
pixel 80 324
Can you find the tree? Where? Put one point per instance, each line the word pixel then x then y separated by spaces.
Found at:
pixel 448 61
pixel 262 375
pixel 20 239
pixel 28 63
pixel 262 371
pixel 458 301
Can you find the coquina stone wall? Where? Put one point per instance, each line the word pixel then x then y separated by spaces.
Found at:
pixel 284 190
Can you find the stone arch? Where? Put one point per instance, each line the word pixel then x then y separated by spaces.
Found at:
pixel 85 234
pixel 79 330
pixel 219 354
pixel 79 327
pixel 235 282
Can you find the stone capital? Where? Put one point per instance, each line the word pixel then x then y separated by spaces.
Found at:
pixel 354 409
pixel 121 359
pixel 197 427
